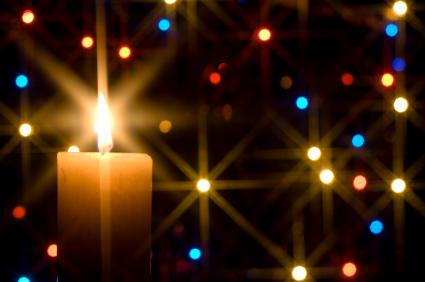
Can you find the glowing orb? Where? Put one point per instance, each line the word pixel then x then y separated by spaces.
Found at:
pixel 301 103
pixel 25 130
pixel 299 273
pixel 28 16
pixel 400 104
pixel 73 149
pixel 215 78
pixel 399 64
pixel 24 279
pixel 359 182
pixel 376 227
pixel 349 269
pixel 124 52
pixel 52 250
pixel 387 79
pixel 165 126
pixel 195 253
pixel 358 140
pixel 391 30
pixel 314 153
pixel 164 24
pixel 19 212
pixel 203 185
pixel 286 82
pixel 398 185
pixel 400 8
pixel 327 176
pixel 21 81
pixel 347 79
pixel 264 34
pixel 170 2
pixel 87 42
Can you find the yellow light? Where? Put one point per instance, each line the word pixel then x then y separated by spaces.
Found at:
pixel 124 52
pixel 170 2
pixel 327 176
pixel 400 8
pixel 349 269
pixel 87 42
pixel 165 126
pixel 299 273
pixel 104 139
pixel 25 129
pixel 28 16
pixel 398 185
pixel 73 149
pixel 52 250
pixel 264 34
pixel 286 82
pixel 314 153
pixel 387 79
pixel 203 185
pixel 400 104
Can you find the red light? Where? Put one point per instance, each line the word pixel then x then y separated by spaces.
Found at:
pixel 215 78
pixel 19 212
pixel 347 79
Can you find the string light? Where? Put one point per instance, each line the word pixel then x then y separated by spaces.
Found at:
pixel 195 253
pixel 170 2
pixel 52 250
pixel 24 279
pixel 327 176
pixel 19 212
pixel 21 81
pixel 400 8
pixel 286 82
pixel 358 141
pixel 301 103
pixel 299 273
pixel 87 42
pixel 314 153
pixel 264 34
pixel 28 16
pixel 349 269
pixel 376 227
pixel 398 64
pixel 359 182
pixel 164 24
pixel 391 30
pixel 215 78
pixel 73 149
pixel 398 185
pixel 124 52
pixel 347 79
pixel 400 105
pixel 25 129
pixel 203 185
pixel 165 126
pixel 387 79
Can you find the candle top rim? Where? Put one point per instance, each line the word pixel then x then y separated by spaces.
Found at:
pixel 104 156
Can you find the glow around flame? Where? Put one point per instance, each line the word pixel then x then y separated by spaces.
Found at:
pixel 104 136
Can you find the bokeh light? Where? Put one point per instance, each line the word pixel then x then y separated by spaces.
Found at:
pixel 203 185
pixel 387 79
pixel 391 30
pixel 124 52
pixel 398 185
pixel 301 102
pixel 359 182
pixel 299 273
pixel 400 105
pixel 21 81
pixel 376 227
pixel 73 149
pixel 170 2
pixel 25 129
pixel 28 16
pixel 347 79
pixel 398 64
pixel 286 82
pixel 215 78
pixel 314 153
pixel 327 176
pixel 264 34
pixel 24 279
pixel 195 253
pixel 19 212
pixel 87 42
pixel 400 8
pixel 52 250
pixel 165 126
pixel 164 24
pixel 358 140
pixel 349 269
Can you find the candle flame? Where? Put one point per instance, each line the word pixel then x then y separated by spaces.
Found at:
pixel 104 136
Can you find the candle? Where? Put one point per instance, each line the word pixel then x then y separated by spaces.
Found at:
pixel 104 212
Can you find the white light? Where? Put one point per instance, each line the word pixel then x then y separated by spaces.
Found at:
pixel 314 153
pixel 170 2
pixel 203 185
pixel 398 185
pixel 400 8
pixel 25 129
pixel 73 149
pixel 401 104
pixel 327 176
pixel 299 273
pixel 104 140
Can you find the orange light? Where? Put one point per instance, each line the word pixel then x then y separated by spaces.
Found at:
pixel 347 79
pixel 387 79
pixel 124 52
pixel 52 250
pixel 359 182
pixel 215 78
pixel 264 34
pixel 28 16
pixel 19 212
pixel 87 42
pixel 349 269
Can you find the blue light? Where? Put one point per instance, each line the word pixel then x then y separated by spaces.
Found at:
pixel 391 30
pixel 164 24
pixel 376 226
pixel 357 140
pixel 21 81
pixel 195 253
pixel 302 103
pixel 24 279
pixel 399 64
